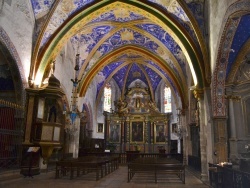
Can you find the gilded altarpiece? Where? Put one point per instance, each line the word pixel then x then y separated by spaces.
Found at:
pixel 137 124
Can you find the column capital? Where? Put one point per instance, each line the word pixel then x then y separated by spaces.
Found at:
pixel 233 97
pixel 198 93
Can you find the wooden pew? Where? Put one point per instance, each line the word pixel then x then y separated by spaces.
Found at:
pixel 100 165
pixel 156 166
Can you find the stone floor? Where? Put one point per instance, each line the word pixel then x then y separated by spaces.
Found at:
pixel 117 179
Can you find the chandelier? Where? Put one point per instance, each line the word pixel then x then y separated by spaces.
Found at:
pixel 71 115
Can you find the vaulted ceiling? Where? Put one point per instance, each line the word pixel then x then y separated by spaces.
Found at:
pixel 150 41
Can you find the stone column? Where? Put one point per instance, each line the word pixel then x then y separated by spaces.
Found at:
pixel 184 132
pixel 77 137
pixel 199 95
pixel 74 138
pixel 231 118
pixel 180 128
pixel 233 136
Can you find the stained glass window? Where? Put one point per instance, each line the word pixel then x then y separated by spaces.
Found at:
pixel 167 100
pixel 107 98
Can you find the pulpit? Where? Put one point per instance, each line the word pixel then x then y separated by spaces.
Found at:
pixel 44 123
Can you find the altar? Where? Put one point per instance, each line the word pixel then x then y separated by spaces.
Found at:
pixel 137 121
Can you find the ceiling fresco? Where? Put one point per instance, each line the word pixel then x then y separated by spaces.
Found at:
pixel 120 75
pixel 135 73
pixel 67 7
pixel 104 74
pixel 241 36
pixel 158 51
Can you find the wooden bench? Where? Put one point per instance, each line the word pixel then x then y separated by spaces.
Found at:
pixel 100 165
pixel 156 167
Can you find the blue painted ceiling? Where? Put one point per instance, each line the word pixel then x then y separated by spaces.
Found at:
pixel 241 36
pixel 116 28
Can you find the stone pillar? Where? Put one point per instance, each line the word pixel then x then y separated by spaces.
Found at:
pixel 74 139
pixel 180 132
pixel 231 119
pixel 77 137
pixel 233 136
pixel 199 95
pixel 184 130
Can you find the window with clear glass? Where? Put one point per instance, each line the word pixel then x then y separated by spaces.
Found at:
pixel 167 100
pixel 107 98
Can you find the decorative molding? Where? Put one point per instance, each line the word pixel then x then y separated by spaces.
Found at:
pixel 230 24
pixel 240 70
pixel 16 68
pixel 198 94
pixel 233 97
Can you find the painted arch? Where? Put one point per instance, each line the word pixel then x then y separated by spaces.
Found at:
pixel 92 11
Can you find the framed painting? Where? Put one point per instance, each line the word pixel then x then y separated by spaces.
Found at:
pixel 159 133
pixel 115 132
pixel 137 132
pixel 100 127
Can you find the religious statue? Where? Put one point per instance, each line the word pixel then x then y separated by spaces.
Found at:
pixel 121 106
pixel 152 106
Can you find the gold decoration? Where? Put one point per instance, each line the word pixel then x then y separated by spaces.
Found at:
pixel 136 74
pixel 127 35
pixel 198 93
pixel 121 13
pixel 165 2
pixel 233 97
pixel 67 5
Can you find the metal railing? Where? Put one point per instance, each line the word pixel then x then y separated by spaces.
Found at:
pixel 227 177
pixel 11 135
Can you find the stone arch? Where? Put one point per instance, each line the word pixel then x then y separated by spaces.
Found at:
pixel 15 68
pixel 90 115
pixel 57 41
pixel 229 25
pixel 89 76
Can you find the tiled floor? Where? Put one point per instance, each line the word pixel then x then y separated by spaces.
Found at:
pixel 117 179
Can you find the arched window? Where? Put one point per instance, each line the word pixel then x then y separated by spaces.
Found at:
pixel 167 100
pixel 107 98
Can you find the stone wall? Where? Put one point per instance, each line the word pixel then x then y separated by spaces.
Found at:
pixel 17 20
pixel 217 10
